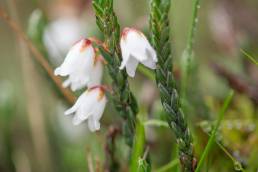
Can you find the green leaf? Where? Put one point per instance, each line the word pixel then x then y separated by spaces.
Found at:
pixel 97 8
pixel 108 57
pixel 164 94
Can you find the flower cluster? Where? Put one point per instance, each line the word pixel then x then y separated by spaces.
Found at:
pixel 83 66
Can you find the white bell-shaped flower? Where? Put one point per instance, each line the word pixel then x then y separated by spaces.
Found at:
pixel 136 48
pixel 89 106
pixel 82 66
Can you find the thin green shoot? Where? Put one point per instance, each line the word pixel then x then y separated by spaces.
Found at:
pixel 187 58
pixel 194 21
pixel 252 59
pixel 138 147
pixel 214 131
pixel 146 72
pixel 240 168
pixel 169 166
pixel 236 163
pixel 156 123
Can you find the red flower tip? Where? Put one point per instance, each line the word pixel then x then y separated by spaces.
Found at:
pixel 126 30
pixel 86 43
pixel 102 88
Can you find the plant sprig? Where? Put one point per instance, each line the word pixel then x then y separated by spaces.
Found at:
pixel 159 27
pixel 123 99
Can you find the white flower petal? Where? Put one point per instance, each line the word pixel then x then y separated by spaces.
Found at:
pixel 91 125
pixel 125 53
pixel 99 109
pixel 83 112
pixel 82 99
pixel 76 120
pixel 77 84
pixel 96 74
pixel 136 48
pixel 67 82
pixel 71 110
pixel 131 66
pixel 149 63
pixel 94 125
pixel 79 65
pixel 89 106
pixel 136 43
pixel 152 53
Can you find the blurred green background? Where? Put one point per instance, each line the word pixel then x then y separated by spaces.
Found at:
pixel 36 136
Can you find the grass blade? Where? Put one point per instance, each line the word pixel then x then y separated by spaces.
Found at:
pixel 169 166
pixel 214 131
pixel 252 59
pixel 156 123
pixel 187 59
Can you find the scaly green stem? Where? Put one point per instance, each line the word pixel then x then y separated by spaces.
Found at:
pixel 123 98
pixel 159 26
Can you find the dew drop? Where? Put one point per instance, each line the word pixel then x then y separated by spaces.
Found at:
pixel 237 166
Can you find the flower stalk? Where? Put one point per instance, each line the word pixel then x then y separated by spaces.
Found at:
pixel 111 162
pixel 159 27
pixel 188 62
pixel 122 97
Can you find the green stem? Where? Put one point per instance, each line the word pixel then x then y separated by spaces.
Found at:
pixel 237 164
pixel 146 72
pixel 194 21
pixel 168 166
pixel 160 32
pixel 123 99
pixel 156 123
pixel 214 131
pixel 111 163
pixel 252 59
pixel 138 147
pixel 187 59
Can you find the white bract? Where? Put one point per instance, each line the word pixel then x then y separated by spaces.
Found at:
pixel 82 66
pixel 136 48
pixel 89 106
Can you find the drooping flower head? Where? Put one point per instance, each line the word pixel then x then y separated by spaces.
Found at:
pixel 81 65
pixel 89 106
pixel 136 49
